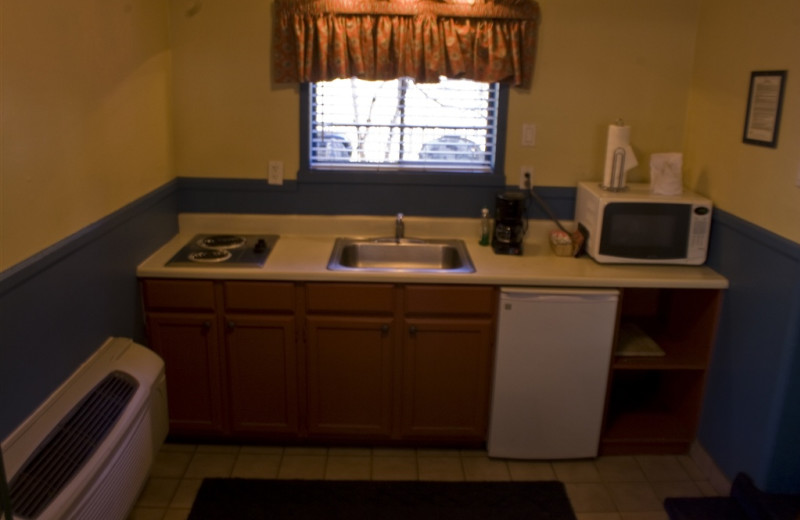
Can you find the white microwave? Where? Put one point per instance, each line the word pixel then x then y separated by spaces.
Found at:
pixel 635 226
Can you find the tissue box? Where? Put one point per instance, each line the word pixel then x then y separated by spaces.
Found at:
pixel 561 243
pixel 666 173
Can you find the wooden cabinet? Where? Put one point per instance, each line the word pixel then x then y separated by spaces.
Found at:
pixel 371 362
pixel 447 359
pixel 653 402
pixel 385 363
pixel 188 344
pixel 349 371
pixel 230 355
pixel 261 358
pixel 261 374
pixel 350 345
pixel 427 380
pixel 182 327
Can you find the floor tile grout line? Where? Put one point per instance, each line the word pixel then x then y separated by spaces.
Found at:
pixel 647 479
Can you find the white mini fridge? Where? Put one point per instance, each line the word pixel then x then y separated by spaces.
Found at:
pixel 551 369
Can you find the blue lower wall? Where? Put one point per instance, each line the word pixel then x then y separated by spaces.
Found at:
pixel 59 306
pixel 380 198
pixel 751 415
pixel 56 308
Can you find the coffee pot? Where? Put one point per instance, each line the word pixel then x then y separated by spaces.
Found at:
pixel 510 223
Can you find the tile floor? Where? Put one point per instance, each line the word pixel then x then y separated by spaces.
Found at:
pixel 606 488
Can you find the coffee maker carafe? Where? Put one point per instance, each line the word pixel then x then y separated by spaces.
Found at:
pixel 509 223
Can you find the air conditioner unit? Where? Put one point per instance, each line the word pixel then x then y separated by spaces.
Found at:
pixel 86 452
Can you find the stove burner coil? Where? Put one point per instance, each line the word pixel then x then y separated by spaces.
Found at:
pixel 221 242
pixel 210 255
pixel 224 250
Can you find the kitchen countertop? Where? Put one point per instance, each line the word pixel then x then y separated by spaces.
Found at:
pixel 306 242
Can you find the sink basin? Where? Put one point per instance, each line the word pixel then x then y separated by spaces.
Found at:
pixel 405 254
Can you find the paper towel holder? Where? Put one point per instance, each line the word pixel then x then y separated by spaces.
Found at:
pixel 617 179
pixel 617 171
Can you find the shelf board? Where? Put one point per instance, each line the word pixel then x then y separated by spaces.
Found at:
pixel 679 354
pixel 654 426
pixel 645 447
pixel 656 363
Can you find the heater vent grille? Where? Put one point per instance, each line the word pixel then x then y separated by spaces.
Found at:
pixel 70 445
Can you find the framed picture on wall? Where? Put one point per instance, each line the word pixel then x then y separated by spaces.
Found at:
pixel 764 104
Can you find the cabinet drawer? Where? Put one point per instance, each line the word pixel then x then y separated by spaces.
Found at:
pixel 259 296
pixel 344 297
pixel 178 294
pixel 447 299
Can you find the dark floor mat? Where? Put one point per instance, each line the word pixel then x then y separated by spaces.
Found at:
pixel 746 502
pixel 251 499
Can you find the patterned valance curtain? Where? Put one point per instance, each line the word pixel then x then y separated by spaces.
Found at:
pixel 482 40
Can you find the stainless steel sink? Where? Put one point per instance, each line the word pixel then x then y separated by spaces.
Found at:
pixel 404 254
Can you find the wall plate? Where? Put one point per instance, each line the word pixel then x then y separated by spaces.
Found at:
pixel 275 175
pixel 525 184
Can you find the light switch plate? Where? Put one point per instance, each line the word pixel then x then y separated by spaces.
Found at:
pixel 275 173
pixel 797 180
pixel 528 134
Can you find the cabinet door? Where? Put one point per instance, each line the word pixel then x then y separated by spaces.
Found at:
pixel 262 374
pixel 349 370
pixel 188 344
pixel 446 374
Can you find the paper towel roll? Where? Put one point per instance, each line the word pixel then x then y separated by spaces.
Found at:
pixel 619 157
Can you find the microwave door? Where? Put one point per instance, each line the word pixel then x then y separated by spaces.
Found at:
pixel 641 231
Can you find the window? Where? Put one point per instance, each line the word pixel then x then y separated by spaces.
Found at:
pixel 399 126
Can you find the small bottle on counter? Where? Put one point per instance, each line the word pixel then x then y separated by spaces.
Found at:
pixel 484 227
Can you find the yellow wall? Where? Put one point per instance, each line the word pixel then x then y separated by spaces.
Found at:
pixel 91 119
pixel 229 119
pixel 597 61
pixel 84 119
pixel 761 185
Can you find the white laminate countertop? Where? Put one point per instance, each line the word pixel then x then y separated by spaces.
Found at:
pixel 305 244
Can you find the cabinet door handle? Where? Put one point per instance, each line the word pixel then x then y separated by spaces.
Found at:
pixel 384 329
pixel 412 329
pixel 231 324
pixel 206 326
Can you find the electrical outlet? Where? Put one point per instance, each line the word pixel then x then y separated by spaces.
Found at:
pixel 275 172
pixel 525 177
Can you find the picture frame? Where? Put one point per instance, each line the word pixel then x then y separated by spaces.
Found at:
pixel 764 104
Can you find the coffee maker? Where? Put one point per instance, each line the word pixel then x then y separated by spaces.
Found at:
pixel 510 223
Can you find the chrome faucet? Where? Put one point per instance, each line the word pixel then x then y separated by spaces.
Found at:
pixel 399 227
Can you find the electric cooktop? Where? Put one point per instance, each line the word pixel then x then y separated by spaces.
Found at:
pixel 219 250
